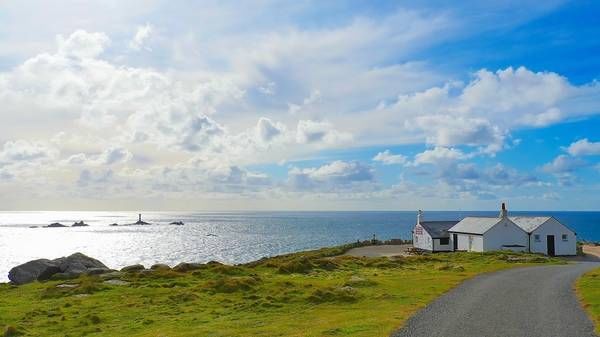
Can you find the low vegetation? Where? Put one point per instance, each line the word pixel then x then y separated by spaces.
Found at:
pixel 315 293
pixel 588 290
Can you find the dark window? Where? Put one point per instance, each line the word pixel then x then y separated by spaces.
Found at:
pixel 445 241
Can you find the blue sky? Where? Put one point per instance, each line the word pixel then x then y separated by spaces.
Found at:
pixel 226 105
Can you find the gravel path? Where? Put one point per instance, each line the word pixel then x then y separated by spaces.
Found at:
pixel 520 302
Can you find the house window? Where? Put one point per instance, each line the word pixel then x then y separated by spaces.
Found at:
pixel 536 237
pixel 565 237
pixel 444 241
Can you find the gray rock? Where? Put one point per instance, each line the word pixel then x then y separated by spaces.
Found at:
pixel 62 268
pixel 133 268
pixel 114 224
pixel 177 223
pixel 160 266
pixel 184 267
pixel 41 269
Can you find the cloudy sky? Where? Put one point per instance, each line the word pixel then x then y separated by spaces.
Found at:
pixel 361 105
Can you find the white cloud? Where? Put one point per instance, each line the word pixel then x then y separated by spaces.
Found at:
pixel 584 147
pixel 141 36
pixel 309 132
pixel 266 130
pixel 387 158
pixel 563 164
pixel 337 175
pixel 439 155
pixel 82 44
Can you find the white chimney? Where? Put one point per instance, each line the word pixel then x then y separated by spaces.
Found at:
pixel 503 211
pixel 419 216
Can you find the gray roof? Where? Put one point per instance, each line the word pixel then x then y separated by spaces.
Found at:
pixel 438 229
pixel 475 225
pixel 529 223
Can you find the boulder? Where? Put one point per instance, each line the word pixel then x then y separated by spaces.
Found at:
pixel 79 264
pixel 185 267
pixel 133 268
pixel 160 266
pixel 59 269
pixel 41 269
pixel 114 224
pixel 55 225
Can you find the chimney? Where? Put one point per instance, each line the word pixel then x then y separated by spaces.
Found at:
pixel 503 211
pixel 419 216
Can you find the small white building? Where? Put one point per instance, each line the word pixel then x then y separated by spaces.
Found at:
pixel 547 235
pixel 432 235
pixel 544 235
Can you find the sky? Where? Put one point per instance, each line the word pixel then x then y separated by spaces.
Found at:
pixel 299 105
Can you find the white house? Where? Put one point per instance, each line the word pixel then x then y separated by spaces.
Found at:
pixel 544 235
pixel 547 235
pixel 432 235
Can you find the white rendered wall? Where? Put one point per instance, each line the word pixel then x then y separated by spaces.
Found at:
pixel 553 227
pixel 504 233
pixel 463 242
pixel 423 240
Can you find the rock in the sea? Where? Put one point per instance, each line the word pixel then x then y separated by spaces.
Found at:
pixel 34 226
pixel 184 267
pixel 177 223
pixel 113 224
pixel 61 268
pixel 160 266
pixel 133 268
pixel 79 224
pixel 41 269
pixel 55 225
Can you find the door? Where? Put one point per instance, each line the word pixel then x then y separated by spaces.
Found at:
pixel 550 244
pixel 455 241
pixel 470 243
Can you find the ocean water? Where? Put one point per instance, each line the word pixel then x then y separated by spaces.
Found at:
pixel 229 237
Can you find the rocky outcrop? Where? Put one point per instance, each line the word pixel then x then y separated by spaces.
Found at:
pixel 61 268
pixel 55 225
pixel 79 224
pixel 41 270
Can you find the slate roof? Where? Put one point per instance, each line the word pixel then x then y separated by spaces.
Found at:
pixel 438 229
pixel 475 225
pixel 529 223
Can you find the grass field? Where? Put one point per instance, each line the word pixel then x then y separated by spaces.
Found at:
pixel 588 290
pixel 305 294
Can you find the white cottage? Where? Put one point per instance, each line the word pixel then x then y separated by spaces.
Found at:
pixel 432 235
pixel 544 235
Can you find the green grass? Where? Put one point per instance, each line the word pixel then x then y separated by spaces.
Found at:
pixel 588 290
pixel 305 294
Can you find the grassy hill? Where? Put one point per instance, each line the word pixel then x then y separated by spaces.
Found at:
pixel 314 293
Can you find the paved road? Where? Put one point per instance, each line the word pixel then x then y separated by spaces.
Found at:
pixel 521 302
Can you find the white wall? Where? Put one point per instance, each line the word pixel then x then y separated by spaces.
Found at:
pixel 423 240
pixel 505 233
pixel 437 247
pixel 553 227
pixel 463 242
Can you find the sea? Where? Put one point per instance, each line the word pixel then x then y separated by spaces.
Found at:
pixel 228 237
